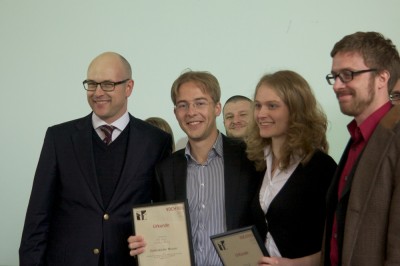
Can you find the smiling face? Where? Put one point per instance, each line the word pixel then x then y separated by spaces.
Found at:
pixel 198 120
pixel 356 97
pixel 270 113
pixel 109 106
pixel 236 118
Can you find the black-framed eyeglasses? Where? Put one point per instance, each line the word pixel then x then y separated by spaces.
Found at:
pixel 91 85
pixel 394 96
pixel 346 75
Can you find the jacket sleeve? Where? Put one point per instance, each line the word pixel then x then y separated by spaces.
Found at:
pixel 38 216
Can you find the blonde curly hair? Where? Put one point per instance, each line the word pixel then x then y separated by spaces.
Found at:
pixel 307 121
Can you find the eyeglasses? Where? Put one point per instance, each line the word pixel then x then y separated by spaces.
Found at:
pixel 197 105
pixel 91 85
pixel 346 75
pixel 395 96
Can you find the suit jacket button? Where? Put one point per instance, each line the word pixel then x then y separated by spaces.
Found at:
pixel 96 251
pixel 106 216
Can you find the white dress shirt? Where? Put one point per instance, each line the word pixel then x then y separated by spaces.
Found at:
pixel 119 124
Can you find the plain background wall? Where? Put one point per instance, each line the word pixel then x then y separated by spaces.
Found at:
pixel 46 47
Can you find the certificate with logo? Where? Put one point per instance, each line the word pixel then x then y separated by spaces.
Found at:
pixel 165 228
pixel 241 247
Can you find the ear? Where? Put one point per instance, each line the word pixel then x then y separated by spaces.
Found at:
pixel 218 109
pixel 382 79
pixel 129 87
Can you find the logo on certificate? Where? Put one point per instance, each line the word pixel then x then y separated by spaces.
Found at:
pixel 141 215
pixel 221 245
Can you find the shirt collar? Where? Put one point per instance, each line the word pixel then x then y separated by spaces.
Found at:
pixel 267 151
pixel 294 159
pixel 216 150
pixel 120 123
pixel 367 127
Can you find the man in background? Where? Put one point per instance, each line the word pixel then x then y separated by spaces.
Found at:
pixel 363 202
pixel 237 116
pixel 91 172
pixel 395 93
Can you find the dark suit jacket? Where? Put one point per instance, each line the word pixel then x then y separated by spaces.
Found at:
pixel 66 221
pixel 368 213
pixel 241 181
pixel 296 216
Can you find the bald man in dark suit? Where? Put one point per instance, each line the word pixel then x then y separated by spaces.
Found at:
pixel 87 180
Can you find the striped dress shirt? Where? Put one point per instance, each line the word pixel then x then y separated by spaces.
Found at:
pixel 206 198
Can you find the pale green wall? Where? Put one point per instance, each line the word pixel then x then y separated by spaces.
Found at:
pixel 47 45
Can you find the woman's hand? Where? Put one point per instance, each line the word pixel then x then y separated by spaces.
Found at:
pixel 311 260
pixel 274 261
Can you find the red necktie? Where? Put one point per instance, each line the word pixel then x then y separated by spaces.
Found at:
pixel 107 130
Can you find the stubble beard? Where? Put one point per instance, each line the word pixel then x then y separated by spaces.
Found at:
pixel 359 105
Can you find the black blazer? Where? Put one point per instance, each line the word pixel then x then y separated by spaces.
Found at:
pixel 296 216
pixel 241 181
pixel 66 221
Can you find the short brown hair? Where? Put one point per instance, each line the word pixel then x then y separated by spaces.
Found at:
pixel 206 81
pixel 377 52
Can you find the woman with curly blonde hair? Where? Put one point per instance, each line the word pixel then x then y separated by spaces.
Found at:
pixel 288 141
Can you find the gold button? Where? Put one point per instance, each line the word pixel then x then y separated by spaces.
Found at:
pixel 96 251
pixel 106 217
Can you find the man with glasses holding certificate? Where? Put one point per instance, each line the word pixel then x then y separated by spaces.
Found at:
pixel 90 173
pixel 212 172
pixel 363 208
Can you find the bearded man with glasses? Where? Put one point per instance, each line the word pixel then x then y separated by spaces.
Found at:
pixel 90 173
pixel 363 202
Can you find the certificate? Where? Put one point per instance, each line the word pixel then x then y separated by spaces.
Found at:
pixel 165 228
pixel 241 247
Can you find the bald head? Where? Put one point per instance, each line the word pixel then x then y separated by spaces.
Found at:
pixel 116 62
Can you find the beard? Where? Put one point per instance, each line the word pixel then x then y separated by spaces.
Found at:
pixel 359 104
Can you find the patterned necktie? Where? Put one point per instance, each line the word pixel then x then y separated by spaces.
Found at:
pixel 107 130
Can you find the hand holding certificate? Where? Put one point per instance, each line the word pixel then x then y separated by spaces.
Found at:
pixel 166 230
pixel 241 247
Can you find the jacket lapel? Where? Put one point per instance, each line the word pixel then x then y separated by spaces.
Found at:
pixel 232 166
pixel 134 152
pixel 83 148
pixel 179 172
pixel 366 174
